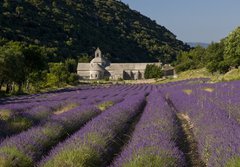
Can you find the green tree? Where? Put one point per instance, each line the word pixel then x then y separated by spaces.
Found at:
pixel 2 67
pixel 73 79
pixel 195 58
pixel 71 65
pixel 232 48
pixel 19 10
pixel 58 74
pixel 38 79
pixel 153 71
pixel 13 64
pixel 84 58
pixel 35 58
pixel 184 62
pixel 168 54
pixel 6 3
pixel 20 62
pixel 215 57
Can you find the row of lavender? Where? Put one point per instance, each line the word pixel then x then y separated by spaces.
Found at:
pixel 18 115
pixel 225 95
pixel 217 135
pixel 153 140
pixel 93 145
pixel 26 148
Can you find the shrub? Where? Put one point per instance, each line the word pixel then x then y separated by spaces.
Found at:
pixel 153 71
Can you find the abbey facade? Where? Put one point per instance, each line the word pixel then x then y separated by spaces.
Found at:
pixel 101 68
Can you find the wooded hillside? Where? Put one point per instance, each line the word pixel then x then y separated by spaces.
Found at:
pixel 76 27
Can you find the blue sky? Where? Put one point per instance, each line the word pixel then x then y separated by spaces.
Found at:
pixel 192 20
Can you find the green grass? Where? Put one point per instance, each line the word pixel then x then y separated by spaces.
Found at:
pixel 15 125
pixel 232 75
pixel 187 91
pixel 66 108
pixel 5 114
pixel 8 154
pixel 204 73
pixel 151 161
pixel 80 156
pixel 18 124
pixel 190 74
pixel 105 105
pixel 235 162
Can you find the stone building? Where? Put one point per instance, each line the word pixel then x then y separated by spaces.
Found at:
pixel 100 68
pixel 168 70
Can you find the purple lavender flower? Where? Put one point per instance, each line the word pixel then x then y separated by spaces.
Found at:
pixel 91 145
pixel 28 146
pixel 153 140
pixel 216 133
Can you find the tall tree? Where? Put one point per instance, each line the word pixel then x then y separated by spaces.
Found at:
pixel 2 66
pixel 71 65
pixel 215 57
pixel 14 67
pixel 232 48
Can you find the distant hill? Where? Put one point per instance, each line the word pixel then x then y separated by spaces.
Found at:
pixel 194 44
pixel 75 27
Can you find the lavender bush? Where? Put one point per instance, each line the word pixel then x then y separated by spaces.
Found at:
pixel 28 146
pixel 90 146
pixel 17 116
pixel 217 135
pixel 153 140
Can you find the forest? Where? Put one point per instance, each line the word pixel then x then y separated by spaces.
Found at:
pixel 76 28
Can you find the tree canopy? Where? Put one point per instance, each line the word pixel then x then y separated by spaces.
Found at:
pixel 217 57
pixel 77 27
pixel 24 64
pixel 232 48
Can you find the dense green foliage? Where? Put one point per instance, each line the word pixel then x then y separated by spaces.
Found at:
pixel 153 71
pixel 217 57
pixel 191 60
pixel 27 65
pixel 76 28
pixel 232 48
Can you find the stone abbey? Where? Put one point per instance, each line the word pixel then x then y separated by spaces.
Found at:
pixel 101 68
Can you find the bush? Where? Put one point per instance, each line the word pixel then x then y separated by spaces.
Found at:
pixel 73 79
pixel 153 71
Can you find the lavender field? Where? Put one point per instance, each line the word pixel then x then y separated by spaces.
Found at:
pixel 189 123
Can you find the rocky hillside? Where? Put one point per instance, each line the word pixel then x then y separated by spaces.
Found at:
pixel 75 27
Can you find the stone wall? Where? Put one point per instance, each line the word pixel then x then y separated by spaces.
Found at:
pixel 129 66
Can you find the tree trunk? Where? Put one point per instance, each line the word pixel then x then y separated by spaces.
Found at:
pixel 8 88
pixel 13 87
pixel 27 86
pixel 20 88
pixel 1 84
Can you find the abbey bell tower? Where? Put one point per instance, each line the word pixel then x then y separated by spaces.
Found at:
pixel 98 53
